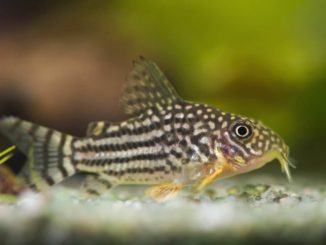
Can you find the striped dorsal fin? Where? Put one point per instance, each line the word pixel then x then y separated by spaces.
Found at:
pixel 147 87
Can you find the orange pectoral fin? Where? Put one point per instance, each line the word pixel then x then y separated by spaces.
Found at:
pixel 164 192
pixel 211 176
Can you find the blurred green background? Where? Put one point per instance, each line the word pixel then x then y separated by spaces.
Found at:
pixel 63 63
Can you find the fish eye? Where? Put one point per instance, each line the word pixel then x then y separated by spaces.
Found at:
pixel 242 130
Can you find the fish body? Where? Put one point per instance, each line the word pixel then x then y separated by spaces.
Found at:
pixel 167 141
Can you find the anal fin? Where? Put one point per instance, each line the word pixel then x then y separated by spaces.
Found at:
pixel 164 192
pixel 95 185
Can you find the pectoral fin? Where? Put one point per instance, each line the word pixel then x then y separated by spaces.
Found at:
pixel 212 173
pixel 164 192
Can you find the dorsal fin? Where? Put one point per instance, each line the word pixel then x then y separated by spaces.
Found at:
pixel 147 87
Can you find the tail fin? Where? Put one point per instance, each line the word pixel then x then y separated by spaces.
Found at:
pixel 49 152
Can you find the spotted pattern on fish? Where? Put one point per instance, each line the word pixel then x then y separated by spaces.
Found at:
pixel 158 141
pixel 167 139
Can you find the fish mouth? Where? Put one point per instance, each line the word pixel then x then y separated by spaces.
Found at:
pixel 271 155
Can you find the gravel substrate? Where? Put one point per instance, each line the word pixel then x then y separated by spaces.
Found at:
pixel 239 210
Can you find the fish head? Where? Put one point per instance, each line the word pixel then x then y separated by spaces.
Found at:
pixel 247 144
